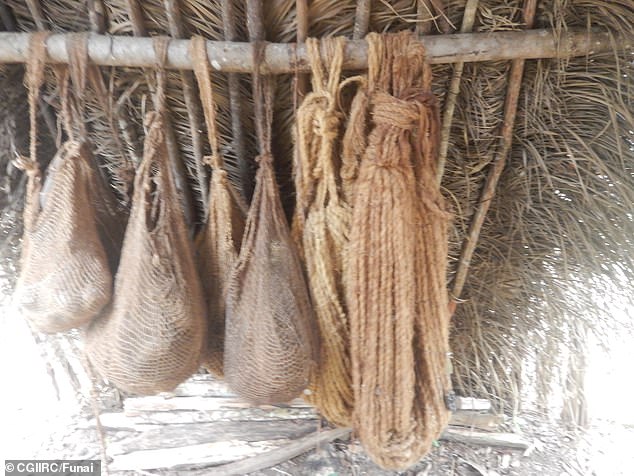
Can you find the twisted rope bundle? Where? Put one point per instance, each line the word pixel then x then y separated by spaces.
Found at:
pixel 321 227
pixel 397 263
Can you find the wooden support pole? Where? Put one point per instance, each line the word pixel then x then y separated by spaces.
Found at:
pixel 236 101
pixel 135 12
pixel 283 58
pixel 499 161
pixel 452 93
pixel 175 22
pixel 362 19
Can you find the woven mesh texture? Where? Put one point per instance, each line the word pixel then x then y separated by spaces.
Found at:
pixel 219 243
pixel 270 338
pixel 397 296
pixel 151 336
pixel 65 279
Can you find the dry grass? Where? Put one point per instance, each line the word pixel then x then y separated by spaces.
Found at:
pixel 559 233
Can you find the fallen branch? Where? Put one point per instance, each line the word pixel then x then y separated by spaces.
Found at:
pixel 278 455
pixel 288 57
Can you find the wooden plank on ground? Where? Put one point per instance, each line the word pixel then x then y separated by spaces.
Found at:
pixel 192 455
pixel 508 440
pixel 172 436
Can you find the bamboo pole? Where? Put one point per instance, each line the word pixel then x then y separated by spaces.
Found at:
pixel 499 161
pixel 283 58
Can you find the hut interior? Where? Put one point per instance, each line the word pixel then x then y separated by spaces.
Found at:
pixel 535 163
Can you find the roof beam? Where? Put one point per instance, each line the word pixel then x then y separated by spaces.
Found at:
pixel 280 58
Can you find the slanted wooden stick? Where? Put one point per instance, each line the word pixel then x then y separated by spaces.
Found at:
pixel 499 161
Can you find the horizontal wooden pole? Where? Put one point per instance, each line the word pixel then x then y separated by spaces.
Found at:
pixel 280 58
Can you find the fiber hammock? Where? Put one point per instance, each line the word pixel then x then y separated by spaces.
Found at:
pixel 397 298
pixel 270 341
pixel 220 240
pixel 150 338
pixel 66 275
pixel 321 227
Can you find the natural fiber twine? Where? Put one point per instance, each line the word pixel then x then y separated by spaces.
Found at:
pixel 397 263
pixel 65 278
pixel 270 341
pixel 151 336
pixel 321 224
pixel 219 243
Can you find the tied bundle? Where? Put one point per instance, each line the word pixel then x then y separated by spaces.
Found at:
pixel 321 226
pixel 398 303
pixel 70 222
pixel 220 241
pixel 151 336
pixel 270 342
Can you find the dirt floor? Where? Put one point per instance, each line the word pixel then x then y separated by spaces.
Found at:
pixel 554 452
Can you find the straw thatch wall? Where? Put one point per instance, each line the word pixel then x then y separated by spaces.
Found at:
pixel 560 224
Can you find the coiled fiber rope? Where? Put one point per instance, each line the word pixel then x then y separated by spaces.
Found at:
pixel 321 224
pixel 397 255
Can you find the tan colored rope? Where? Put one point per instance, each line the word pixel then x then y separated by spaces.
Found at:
pixel 397 262
pixel 322 219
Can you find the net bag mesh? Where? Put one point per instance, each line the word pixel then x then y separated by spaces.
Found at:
pixel 219 243
pixel 150 338
pixel 397 297
pixel 321 224
pixel 270 339
pixel 65 277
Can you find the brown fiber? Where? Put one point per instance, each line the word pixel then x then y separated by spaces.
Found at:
pixel 397 259
pixel 219 243
pixel 270 341
pixel 65 278
pixel 151 336
pixel 321 223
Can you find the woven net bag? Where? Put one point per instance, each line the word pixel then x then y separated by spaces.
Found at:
pixel 219 244
pixel 270 340
pixel 151 336
pixel 397 296
pixel 65 277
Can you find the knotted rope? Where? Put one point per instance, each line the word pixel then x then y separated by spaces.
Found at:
pixel 321 226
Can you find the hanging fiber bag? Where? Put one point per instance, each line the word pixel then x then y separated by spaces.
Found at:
pixel 397 297
pixel 219 244
pixel 65 279
pixel 325 217
pixel 270 341
pixel 151 337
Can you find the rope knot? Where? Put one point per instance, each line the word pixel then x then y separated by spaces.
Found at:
pixel 327 125
pixel 30 167
pixel 391 111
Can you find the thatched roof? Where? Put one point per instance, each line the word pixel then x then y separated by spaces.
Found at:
pixel 559 231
